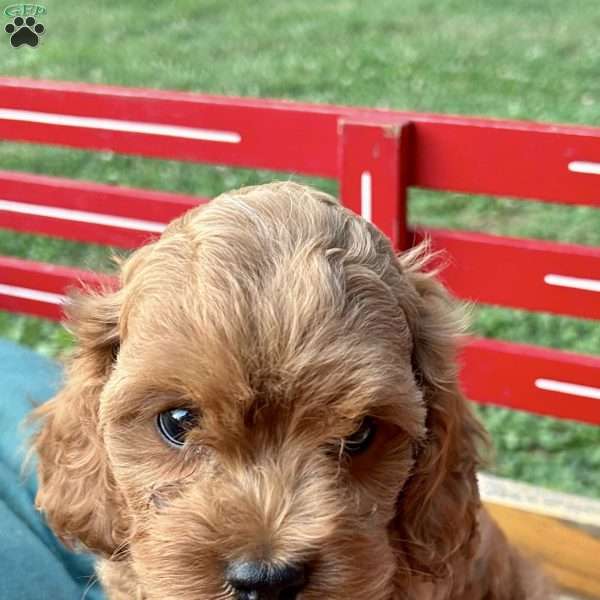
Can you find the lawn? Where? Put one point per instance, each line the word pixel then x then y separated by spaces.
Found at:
pixel 522 59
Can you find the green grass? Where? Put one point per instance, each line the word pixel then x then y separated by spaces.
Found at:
pixel 524 59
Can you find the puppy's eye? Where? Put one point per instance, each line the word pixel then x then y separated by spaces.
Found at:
pixel 174 424
pixel 362 438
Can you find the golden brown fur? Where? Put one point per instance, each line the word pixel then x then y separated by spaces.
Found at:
pixel 284 319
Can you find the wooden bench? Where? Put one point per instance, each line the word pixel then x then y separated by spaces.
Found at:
pixel 375 155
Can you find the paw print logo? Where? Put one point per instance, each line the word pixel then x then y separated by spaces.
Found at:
pixel 24 31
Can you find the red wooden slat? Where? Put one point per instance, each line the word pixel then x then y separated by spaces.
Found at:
pixel 19 277
pixel 278 136
pixel 505 374
pixel 452 153
pixel 372 183
pixel 524 160
pixel 511 272
pixel 30 307
pixel 112 201
pixel 47 277
pixel 60 192
pixel 67 229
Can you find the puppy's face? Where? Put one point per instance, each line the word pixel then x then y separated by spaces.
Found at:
pixel 221 474
pixel 242 418
pixel 259 438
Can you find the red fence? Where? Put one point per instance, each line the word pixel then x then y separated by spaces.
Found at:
pixel 375 155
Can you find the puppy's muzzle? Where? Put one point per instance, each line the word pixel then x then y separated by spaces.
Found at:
pixel 256 580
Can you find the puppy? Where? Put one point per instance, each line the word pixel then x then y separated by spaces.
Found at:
pixel 267 408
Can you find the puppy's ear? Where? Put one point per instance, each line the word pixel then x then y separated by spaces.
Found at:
pixel 436 523
pixel 77 492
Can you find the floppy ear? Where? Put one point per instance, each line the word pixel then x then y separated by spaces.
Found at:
pixel 436 522
pixel 77 492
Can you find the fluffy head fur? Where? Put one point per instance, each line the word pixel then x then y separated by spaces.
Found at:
pixel 281 319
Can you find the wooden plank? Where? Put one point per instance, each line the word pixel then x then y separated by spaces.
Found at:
pixel 519 273
pixel 570 556
pixel 70 226
pixel 373 175
pixel 549 162
pixel 59 192
pixel 85 211
pixel 170 125
pixel 517 159
pixel 540 380
pixel 38 289
pixel 560 531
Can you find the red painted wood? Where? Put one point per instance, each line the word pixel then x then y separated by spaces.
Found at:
pixel 523 160
pixel 471 155
pixel 99 198
pixel 118 237
pixel 375 151
pixel 510 272
pixel 159 207
pixel 504 374
pixel 46 278
pixel 31 308
pixel 278 136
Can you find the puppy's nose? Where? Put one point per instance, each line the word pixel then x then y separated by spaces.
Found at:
pixel 257 580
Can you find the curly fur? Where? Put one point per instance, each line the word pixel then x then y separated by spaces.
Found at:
pixel 283 319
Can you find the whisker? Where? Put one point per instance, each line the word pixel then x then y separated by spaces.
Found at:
pixel 92 579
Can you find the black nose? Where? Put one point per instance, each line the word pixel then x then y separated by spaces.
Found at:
pixel 256 580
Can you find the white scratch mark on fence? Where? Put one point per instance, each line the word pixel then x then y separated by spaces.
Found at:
pixel 81 216
pixel 563 387
pixel 176 131
pixel 29 294
pixel 582 166
pixel 366 195
pixel 579 283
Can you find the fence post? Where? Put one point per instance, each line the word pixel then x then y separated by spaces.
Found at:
pixel 373 174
